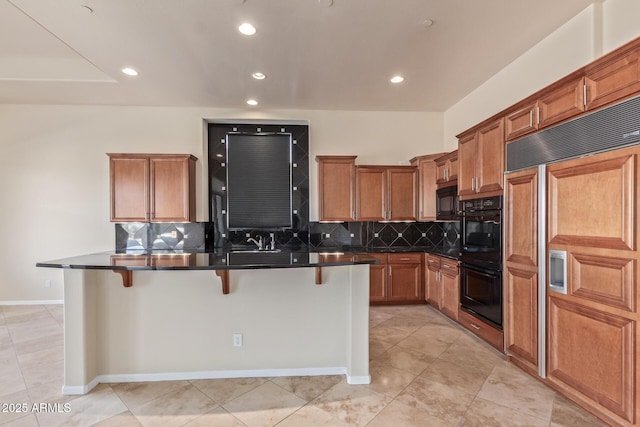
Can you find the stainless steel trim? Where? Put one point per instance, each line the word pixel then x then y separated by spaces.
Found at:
pixel 542 271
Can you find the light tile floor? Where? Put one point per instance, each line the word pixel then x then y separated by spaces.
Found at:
pixel 426 371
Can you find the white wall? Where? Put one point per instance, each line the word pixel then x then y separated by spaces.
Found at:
pixel 54 170
pixel 595 31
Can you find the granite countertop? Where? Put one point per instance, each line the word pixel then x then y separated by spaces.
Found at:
pixel 453 253
pixel 214 260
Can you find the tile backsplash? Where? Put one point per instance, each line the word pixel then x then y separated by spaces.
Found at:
pixel 380 235
pixel 199 236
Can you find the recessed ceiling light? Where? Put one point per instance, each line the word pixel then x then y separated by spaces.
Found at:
pixel 259 76
pixel 247 29
pixel 252 102
pixel 130 71
pixel 397 79
pixel 325 3
pixel 427 22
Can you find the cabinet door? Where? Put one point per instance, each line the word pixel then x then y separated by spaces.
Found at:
pixel 490 159
pixel 378 282
pixel 129 176
pixel 449 279
pixel 336 182
pixel 522 121
pixel 521 272
pixel 405 282
pixel 561 102
pixel 452 167
pixel 371 190
pixel 434 289
pixel 467 165
pixel 441 172
pixel 402 194
pixel 612 79
pixel 172 189
pixel 426 189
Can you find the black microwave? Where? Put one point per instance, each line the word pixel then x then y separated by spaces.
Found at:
pixel 447 203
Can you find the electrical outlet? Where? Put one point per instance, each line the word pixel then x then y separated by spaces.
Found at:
pixel 237 340
pixel 47 283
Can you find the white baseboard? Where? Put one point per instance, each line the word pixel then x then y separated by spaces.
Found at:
pixel 358 379
pixel 80 389
pixel 209 375
pixel 33 302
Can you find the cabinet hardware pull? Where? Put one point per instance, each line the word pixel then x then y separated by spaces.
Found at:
pixel 538 115
pixel 473 184
pixel 474 326
pixel 477 184
pixel 530 118
pixel 405 259
pixel 584 94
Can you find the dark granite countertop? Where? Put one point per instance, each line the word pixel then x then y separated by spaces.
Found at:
pixel 214 260
pixel 448 253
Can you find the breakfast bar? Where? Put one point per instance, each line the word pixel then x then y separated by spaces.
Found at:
pixel 285 313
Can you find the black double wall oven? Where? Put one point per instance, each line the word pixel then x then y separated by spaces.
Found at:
pixel 481 259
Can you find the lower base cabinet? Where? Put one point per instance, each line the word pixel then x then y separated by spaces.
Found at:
pixel 443 284
pixel 398 279
pixel 490 334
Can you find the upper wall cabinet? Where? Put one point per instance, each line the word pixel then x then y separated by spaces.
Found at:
pixel 386 193
pixel 336 191
pixel 481 161
pixel 426 186
pixel 613 77
pixel 447 169
pixel 558 102
pixel 608 79
pixel 152 187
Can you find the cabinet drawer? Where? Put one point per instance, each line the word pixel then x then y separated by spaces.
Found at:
pixel 433 262
pixel 449 267
pixel 493 336
pixel 412 258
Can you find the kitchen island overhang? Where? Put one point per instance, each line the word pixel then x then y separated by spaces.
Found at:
pixel 176 323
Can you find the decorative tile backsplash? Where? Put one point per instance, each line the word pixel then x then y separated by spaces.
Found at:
pixel 221 236
pixel 189 236
pixel 420 236
pixel 198 236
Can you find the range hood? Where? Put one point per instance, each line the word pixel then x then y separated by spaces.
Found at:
pixel 606 129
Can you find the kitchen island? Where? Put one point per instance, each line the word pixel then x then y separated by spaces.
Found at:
pixel 293 313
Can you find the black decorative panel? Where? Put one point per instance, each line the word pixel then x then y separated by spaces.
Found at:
pixel 295 236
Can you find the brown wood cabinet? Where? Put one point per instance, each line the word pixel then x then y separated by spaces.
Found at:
pixel 490 334
pixel 378 289
pixel 447 169
pixel 443 284
pixel 481 161
pixel 386 193
pixel 613 77
pixel 152 187
pixel 336 187
pixel 592 329
pixel 555 103
pixel 521 268
pixel 426 197
pixel 398 279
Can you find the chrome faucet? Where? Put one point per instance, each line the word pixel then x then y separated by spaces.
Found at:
pixel 259 242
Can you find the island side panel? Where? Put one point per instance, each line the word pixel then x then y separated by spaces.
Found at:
pixel 178 325
pixel 80 329
pixel 358 326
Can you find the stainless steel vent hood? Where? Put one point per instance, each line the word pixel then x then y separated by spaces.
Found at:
pixel 611 127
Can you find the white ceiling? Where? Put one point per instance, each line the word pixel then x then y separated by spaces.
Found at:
pixel 189 52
